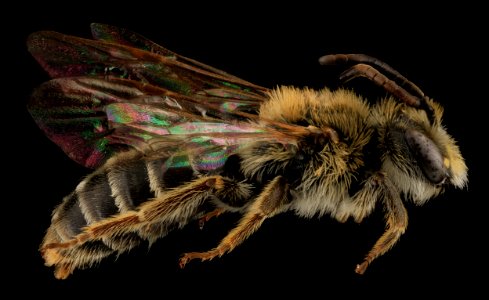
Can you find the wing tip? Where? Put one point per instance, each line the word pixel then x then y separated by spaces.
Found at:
pixel 33 40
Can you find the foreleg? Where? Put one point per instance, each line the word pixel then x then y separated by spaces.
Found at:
pixel 396 223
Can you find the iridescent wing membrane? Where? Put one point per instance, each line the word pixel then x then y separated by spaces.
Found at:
pixel 122 90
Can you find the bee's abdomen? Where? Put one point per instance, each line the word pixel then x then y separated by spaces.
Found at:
pixel 112 190
pixel 121 185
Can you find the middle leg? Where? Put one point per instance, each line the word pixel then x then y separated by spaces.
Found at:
pixel 271 201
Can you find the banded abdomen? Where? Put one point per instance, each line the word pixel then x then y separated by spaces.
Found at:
pixel 119 186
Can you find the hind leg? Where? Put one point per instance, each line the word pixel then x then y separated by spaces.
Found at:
pixel 176 206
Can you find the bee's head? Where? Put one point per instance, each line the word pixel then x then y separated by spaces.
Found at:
pixel 419 156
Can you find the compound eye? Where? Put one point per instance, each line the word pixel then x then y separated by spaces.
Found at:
pixel 428 155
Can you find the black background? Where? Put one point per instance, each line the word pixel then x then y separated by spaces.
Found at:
pixel 441 253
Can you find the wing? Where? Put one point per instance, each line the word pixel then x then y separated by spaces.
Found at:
pixel 126 37
pixel 111 93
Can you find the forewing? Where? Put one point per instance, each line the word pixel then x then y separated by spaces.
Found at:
pixel 102 83
pixel 65 56
pixel 129 38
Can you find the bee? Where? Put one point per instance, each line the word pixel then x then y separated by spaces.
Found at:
pixel 175 141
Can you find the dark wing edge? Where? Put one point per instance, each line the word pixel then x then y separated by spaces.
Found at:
pixel 129 38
